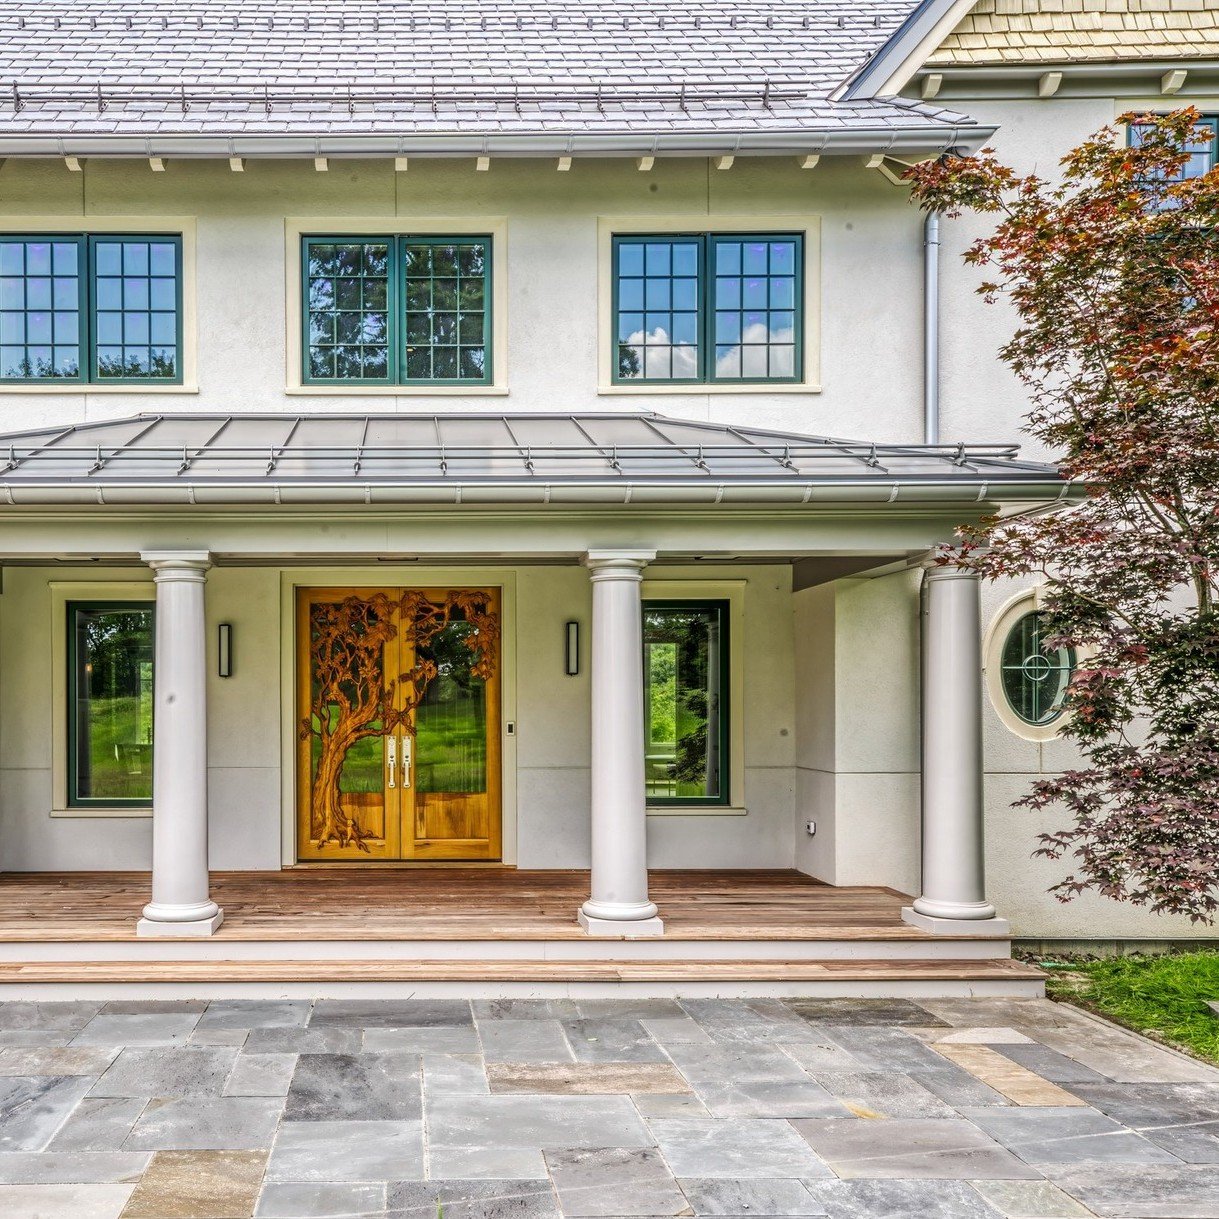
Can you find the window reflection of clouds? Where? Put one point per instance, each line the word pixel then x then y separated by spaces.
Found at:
pixel 749 323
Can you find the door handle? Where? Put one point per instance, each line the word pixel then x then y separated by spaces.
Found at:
pixel 391 758
pixel 406 761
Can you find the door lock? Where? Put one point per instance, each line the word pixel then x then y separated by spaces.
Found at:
pixel 406 761
pixel 391 759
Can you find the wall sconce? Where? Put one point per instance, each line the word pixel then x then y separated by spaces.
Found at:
pixel 571 649
pixel 225 665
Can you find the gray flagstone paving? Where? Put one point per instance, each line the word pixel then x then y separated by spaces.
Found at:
pixel 136 1029
pixel 593 1109
pixel 99 1124
pixel 32 1109
pixel 261 1075
pixel 245 1123
pixel 355 1087
pixel 614 1181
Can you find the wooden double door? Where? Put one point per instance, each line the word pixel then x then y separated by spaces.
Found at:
pixel 398 752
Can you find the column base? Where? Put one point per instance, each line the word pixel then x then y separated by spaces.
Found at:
pixel 938 925
pixel 636 928
pixel 185 929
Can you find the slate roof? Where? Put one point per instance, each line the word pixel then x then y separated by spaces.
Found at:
pixel 468 458
pixel 1071 31
pixel 325 68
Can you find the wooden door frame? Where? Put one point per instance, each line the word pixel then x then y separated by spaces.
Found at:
pixel 383 577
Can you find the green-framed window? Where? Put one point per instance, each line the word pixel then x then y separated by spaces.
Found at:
pixel 110 682
pixel 686 684
pixel 708 307
pixel 396 310
pixel 102 308
pixel 1034 677
pixel 1203 154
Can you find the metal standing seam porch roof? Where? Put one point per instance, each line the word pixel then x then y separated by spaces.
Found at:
pixel 609 458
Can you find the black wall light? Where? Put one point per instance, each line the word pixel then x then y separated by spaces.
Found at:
pixel 571 648
pixel 225 655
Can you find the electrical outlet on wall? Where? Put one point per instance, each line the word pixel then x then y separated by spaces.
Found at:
pixel 811 827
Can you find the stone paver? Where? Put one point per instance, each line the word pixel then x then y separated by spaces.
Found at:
pixel 542 1108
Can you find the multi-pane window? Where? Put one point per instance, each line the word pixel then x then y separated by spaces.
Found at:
pixel 97 309
pixel 685 673
pixel 1035 677
pixel 1203 153
pixel 398 310
pixel 713 307
pixel 110 651
pixel 135 308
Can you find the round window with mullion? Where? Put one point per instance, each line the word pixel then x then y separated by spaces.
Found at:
pixel 1035 677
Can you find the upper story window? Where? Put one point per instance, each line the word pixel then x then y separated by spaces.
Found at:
pixel 93 309
pixel 397 310
pixel 708 307
pixel 1203 154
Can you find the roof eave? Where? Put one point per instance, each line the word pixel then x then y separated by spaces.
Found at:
pixel 925 138
pixel 897 493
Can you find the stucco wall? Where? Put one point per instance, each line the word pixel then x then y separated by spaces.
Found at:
pixel 246 722
pixel 858 761
pixel 982 399
pixel 870 323
pixel 842 657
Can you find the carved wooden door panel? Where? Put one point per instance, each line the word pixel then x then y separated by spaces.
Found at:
pixel 349 795
pixel 451 734
pixel 398 696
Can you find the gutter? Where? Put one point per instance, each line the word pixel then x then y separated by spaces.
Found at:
pixel 927 138
pixel 879 491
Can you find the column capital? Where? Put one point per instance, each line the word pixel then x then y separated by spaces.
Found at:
pixel 177 564
pixel 618 564
pixel 941 564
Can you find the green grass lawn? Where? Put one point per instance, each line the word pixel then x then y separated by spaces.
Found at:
pixel 1162 996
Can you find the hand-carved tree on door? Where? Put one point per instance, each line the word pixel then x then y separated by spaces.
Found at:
pixel 354 699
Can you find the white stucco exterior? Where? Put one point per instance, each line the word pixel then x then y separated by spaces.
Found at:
pixel 828 713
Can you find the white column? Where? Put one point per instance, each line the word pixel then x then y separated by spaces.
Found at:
pixel 953 897
pixel 619 904
pixel 180 902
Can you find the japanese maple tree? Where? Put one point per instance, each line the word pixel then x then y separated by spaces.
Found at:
pixel 1113 272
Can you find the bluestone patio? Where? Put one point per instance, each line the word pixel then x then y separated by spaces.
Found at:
pixel 951 1108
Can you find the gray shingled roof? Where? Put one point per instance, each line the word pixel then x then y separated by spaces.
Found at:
pixel 471 458
pixel 590 73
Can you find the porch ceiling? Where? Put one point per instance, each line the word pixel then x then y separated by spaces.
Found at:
pixel 524 459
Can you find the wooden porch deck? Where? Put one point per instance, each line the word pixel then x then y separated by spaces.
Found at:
pixel 428 903
pixel 483 932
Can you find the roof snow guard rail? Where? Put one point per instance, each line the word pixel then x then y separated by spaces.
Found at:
pixel 609 457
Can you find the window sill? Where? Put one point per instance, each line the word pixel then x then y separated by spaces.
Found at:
pixel 76 387
pixel 101 812
pixel 785 387
pixel 398 391
pixel 696 810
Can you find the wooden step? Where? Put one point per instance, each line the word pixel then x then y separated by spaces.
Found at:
pixel 998 970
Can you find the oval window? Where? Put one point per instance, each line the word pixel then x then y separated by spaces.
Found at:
pixel 1034 677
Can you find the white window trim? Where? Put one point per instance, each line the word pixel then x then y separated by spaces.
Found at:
pixel 183 226
pixel 1009 613
pixel 61 593
pixel 732 591
pixel 496 227
pixel 693 222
